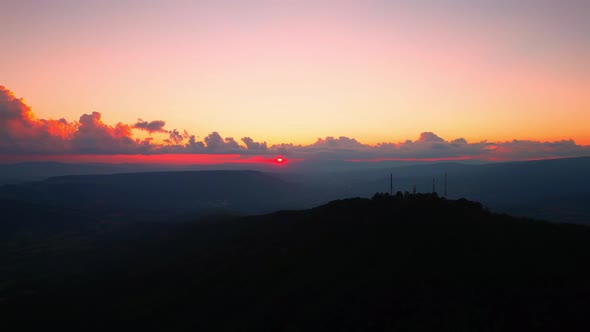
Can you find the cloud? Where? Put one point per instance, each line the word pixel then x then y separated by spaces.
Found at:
pixel 156 126
pixel 21 133
pixel 459 141
pixel 177 137
pixel 94 136
pixel 429 137
pixel 215 143
pixel 20 130
pixel 430 147
pixel 194 145
pixel 254 146
pixel 340 143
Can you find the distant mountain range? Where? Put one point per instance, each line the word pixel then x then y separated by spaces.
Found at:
pixel 555 190
pixel 158 195
pixel 36 171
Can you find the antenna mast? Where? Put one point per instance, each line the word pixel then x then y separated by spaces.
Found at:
pixel 391 184
pixel 433 188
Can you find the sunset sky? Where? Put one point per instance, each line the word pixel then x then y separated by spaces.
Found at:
pixel 290 72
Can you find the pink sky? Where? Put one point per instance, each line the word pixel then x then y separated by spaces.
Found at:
pixel 293 71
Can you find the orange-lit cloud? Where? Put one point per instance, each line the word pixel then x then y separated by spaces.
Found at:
pixel 21 131
pixel 24 137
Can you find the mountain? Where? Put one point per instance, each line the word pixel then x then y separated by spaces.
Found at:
pixel 158 194
pixel 413 262
pixel 37 171
pixel 527 188
pixel 554 190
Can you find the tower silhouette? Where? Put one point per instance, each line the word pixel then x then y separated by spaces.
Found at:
pixel 445 184
pixel 414 189
pixel 390 184
pixel 433 187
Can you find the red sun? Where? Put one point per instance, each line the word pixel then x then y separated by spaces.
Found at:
pixel 280 160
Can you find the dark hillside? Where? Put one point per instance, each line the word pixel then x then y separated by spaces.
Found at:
pixel 414 262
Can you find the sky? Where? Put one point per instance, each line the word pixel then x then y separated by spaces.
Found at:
pixel 351 80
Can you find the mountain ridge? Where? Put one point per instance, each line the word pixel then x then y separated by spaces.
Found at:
pixel 413 262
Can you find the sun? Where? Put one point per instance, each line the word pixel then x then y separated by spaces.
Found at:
pixel 280 160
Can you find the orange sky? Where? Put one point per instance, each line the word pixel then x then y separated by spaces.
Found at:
pixel 290 72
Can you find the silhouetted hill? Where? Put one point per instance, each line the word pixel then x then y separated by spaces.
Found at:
pixel 36 171
pixel 525 187
pixel 536 189
pixel 414 262
pixel 159 194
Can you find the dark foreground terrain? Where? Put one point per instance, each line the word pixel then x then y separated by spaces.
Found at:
pixel 414 262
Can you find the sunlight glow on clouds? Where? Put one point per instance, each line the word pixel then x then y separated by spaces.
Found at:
pixel 23 135
pixel 291 71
